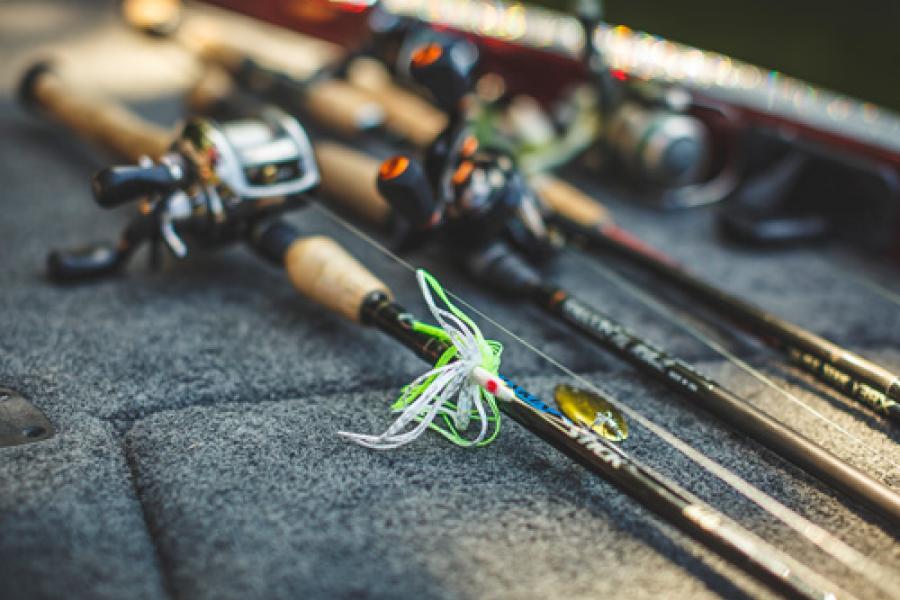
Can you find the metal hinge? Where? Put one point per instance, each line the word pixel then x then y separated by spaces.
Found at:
pixel 20 421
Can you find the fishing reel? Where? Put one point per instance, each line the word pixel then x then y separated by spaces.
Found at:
pixel 798 192
pixel 395 38
pixel 208 190
pixel 648 134
pixel 474 197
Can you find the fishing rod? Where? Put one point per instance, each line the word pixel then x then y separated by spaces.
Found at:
pixel 197 170
pixel 489 219
pixel 345 88
pixel 861 379
pixel 207 187
pixel 583 445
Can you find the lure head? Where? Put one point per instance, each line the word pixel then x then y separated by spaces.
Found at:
pixel 592 411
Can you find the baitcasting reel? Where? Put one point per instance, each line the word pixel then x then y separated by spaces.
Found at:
pixel 473 196
pixel 214 183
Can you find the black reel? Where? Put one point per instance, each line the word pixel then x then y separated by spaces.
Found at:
pixel 208 190
pixel 474 198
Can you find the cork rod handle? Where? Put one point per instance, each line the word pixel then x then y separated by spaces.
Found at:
pixel 569 201
pixel 98 120
pixel 324 272
pixel 348 180
pixel 411 117
pixel 335 104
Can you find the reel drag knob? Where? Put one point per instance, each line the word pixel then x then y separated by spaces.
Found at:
pixel 402 182
pixel 114 186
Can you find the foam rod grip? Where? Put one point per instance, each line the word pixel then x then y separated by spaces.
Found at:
pixel 569 201
pixel 98 120
pixel 323 271
pixel 407 115
pixel 349 181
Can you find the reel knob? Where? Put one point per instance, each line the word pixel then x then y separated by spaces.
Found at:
pixel 402 182
pixel 445 71
pixel 114 186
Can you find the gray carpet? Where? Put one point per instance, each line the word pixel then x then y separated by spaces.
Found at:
pixel 197 409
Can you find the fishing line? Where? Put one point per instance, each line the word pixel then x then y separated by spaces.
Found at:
pixel 882 291
pixel 867 282
pixel 821 538
pixel 665 312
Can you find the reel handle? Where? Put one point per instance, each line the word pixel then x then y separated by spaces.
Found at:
pixel 434 67
pixel 402 182
pixel 102 121
pixel 114 186
pixel 84 263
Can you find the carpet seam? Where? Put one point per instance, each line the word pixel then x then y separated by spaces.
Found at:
pixel 168 586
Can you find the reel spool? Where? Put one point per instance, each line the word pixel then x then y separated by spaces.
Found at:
pixel 648 133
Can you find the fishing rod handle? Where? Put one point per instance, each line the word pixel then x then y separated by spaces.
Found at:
pixel 407 115
pixel 98 120
pixel 349 179
pixel 334 104
pixel 320 269
pixel 566 199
